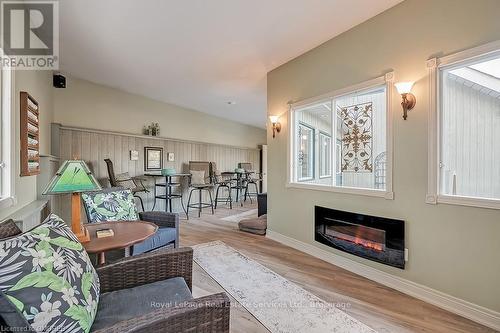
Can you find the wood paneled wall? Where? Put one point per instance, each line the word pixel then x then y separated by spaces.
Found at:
pixel 94 146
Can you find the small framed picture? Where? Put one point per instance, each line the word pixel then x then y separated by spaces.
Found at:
pixel 153 158
pixel 170 157
pixel 134 155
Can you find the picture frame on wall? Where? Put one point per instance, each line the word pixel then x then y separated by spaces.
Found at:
pixel 134 155
pixel 170 157
pixel 153 158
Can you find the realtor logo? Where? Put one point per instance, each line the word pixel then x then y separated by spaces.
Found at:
pixel 30 34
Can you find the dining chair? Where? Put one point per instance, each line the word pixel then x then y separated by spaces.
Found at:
pixel 124 180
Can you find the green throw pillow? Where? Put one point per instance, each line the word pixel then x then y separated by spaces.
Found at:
pixel 109 206
pixel 47 275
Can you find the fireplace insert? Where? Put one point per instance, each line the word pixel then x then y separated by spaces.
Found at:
pixel 376 238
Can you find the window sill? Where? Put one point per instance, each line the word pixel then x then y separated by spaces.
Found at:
pixel 345 190
pixel 466 201
pixel 7 202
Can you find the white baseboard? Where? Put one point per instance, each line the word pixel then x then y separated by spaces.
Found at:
pixel 447 302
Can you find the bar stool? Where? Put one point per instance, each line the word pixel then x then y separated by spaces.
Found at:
pixel 252 178
pixel 224 180
pixel 200 180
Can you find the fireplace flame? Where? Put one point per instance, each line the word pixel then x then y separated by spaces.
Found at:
pixel 365 243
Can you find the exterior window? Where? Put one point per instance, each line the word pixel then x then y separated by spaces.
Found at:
pixel 336 139
pixel 469 119
pixel 325 155
pixel 7 161
pixel 305 152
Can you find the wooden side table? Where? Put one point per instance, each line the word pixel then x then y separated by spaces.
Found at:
pixel 126 234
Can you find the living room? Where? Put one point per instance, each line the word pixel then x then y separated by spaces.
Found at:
pixel 325 166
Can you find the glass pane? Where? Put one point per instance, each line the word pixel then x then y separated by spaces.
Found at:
pixel 306 152
pixel 313 143
pixel 325 158
pixel 361 139
pixel 470 139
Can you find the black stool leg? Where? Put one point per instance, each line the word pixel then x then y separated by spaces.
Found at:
pixel 199 203
pixel 230 197
pixel 140 199
pixel 246 192
pixel 182 204
pixel 217 195
pixel 189 204
pixel 211 201
pixel 154 202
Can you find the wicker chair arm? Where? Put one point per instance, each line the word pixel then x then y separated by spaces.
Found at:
pixel 147 268
pixel 205 314
pixel 161 219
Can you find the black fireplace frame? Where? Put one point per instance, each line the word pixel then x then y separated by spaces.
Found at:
pixel 394 253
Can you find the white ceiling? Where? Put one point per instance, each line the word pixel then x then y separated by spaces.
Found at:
pixel 199 54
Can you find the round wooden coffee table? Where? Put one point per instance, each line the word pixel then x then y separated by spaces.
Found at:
pixel 126 234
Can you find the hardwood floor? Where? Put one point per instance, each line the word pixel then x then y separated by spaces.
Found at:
pixel 382 308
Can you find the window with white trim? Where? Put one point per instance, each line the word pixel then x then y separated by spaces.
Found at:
pixel 335 140
pixel 7 143
pixel 467 132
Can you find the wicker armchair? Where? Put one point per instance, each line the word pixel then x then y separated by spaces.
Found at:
pixel 8 229
pixel 204 314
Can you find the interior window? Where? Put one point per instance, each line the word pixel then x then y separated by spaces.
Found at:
pixel 361 131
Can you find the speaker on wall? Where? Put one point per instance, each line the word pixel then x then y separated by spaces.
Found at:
pixel 59 81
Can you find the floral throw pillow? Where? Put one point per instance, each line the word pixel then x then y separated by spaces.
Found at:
pixel 47 275
pixel 109 206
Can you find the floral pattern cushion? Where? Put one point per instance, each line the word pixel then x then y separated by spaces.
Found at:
pixel 47 275
pixel 116 205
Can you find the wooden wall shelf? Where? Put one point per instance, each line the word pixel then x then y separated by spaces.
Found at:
pixel 30 135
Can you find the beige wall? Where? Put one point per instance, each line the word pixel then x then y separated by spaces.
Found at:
pixel 39 85
pixel 453 249
pixel 89 105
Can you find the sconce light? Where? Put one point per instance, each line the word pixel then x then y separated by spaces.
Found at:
pixel 276 124
pixel 409 100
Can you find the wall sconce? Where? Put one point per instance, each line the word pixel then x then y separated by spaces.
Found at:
pixel 409 100
pixel 276 124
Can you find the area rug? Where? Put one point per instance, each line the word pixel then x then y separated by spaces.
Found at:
pixel 280 305
pixel 241 216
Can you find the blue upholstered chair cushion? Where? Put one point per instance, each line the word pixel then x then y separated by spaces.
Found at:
pixel 162 237
pixel 47 277
pixel 110 205
pixel 126 304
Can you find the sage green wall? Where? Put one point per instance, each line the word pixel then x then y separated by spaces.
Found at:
pixel 39 85
pixel 89 105
pixel 453 249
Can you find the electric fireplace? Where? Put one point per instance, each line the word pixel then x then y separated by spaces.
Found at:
pixel 376 238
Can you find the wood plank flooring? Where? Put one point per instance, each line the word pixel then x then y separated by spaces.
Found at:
pixel 382 308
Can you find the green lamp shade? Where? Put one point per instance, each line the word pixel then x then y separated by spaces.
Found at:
pixel 73 176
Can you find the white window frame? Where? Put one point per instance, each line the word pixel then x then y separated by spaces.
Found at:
pixel 7 137
pixel 387 193
pixel 320 155
pixel 434 66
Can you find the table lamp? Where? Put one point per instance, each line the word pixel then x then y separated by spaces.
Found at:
pixel 74 177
